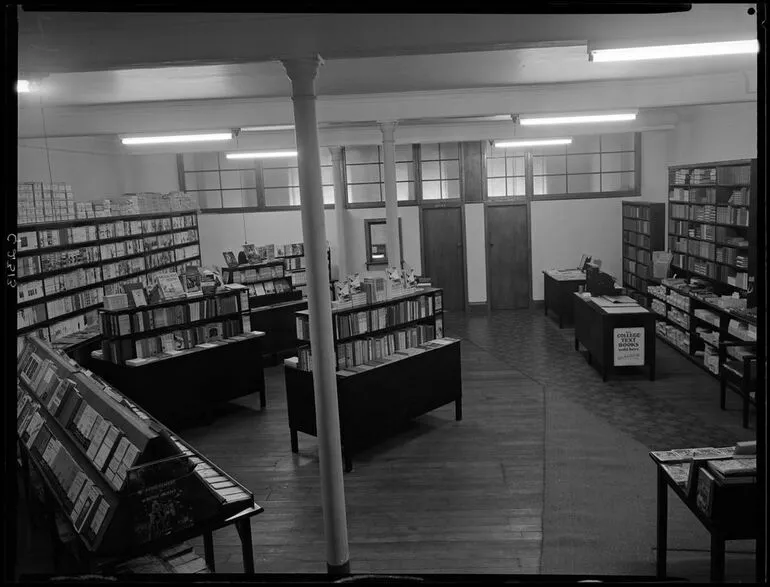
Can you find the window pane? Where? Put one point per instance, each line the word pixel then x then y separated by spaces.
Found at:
pixel 583 184
pixel 449 151
pixel 429 152
pixel 362 154
pixel 556 184
pixel 363 174
pixel 365 192
pixel 404 153
pixel 210 199
pixel 430 170
pixel 238 179
pixel 495 167
pixel 234 164
pixel 282 196
pixel 515 166
pixel 203 180
pixel 327 176
pixel 496 188
pixel 232 199
pixel 617 182
pixel 277 178
pixel 583 163
pixel 618 162
pixel 584 144
pixel 250 198
pixel 405 191
pixel 553 164
pixel 431 190
pixel 450 189
pixel 618 142
pixel 450 169
pixel 404 171
pixel 516 186
pixel 328 194
pixel 326 156
pixel 200 161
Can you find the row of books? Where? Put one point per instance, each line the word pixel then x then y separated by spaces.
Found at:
pixel 185 236
pixel 642 226
pixel 295 263
pixel 376 319
pixel 639 255
pixel 160 259
pixel 678 176
pixel 274 286
pixel 732 215
pixel 658 307
pixel 62 282
pixel 58 237
pixel 641 212
pixel 702 267
pixel 125 323
pixel 636 239
pixel 123 267
pixel 161 224
pixel 121 249
pixel 184 221
pixel 679 317
pixel 740 197
pixel 68 258
pixel 72 325
pixel 26 291
pixel 127 350
pixel 734 174
pixel 78 301
pixel 633 281
pixel 252 275
pixel 703 176
pixel 739 280
pixel 700 248
pixel 187 252
pixel 159 241
pixel 675 336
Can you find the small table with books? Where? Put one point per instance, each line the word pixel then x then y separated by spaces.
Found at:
pixel 558 287
pixel 616 331
pixel 719 487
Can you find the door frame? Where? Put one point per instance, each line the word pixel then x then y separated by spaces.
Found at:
pixel 527 201
pixel 438 204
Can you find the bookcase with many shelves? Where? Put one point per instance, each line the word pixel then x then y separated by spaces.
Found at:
pixel 643 233
pixel 713 224
pixel 66 267
pixel 121 480
pixel 393 364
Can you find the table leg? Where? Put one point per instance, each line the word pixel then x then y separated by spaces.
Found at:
pixel 244 531
pixel 294 441
pixel 208 550
pixel 717 558
pixel 458 409
pixel 262 397
pixel 722 392
pixel 662 524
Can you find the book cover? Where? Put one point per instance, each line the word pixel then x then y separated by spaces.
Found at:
pixel 138 297
pixel 269 287
pixel 251 253
pixel 230 259
pixel 169 286
pixel 192 279
pixel 705 491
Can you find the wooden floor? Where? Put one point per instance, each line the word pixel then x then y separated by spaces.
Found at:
pixel 443 496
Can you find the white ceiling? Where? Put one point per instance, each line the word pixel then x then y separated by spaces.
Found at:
pixel 111 72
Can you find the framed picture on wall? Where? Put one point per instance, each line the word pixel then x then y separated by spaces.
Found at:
pixel 375 231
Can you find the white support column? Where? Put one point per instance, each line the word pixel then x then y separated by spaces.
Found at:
pixel 339 212
pixel 302 74
pixel 391 198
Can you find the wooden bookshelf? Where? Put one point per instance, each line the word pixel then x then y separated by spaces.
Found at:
pixel 643 232
pixel 263 281
pixel 104 461
pixel 713 223
pixel 57 300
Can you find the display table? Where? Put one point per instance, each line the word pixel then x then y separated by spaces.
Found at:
pixel 379 400
pixel 175 387
pixel 559 285
pixel 616 340
pixel 735 517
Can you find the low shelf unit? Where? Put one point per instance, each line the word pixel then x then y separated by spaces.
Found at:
pixel 644 227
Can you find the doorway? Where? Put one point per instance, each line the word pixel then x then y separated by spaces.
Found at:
pixel 444 256
pixel 508 256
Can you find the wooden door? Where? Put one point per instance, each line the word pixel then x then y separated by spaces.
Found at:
pixel 444 253
pixel 508 258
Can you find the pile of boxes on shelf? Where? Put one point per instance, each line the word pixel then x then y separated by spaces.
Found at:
pixel 41 202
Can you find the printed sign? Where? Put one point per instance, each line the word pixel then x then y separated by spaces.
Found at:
pixel 628 346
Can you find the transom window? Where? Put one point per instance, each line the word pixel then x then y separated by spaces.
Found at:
pixel 281 180
pixel 440 168
pixel 365 174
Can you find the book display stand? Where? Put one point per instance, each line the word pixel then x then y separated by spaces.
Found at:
pixel 394 364
pixel 558 287
pixel 154 353
pixel 125 483
pixel 719 488
pixel 644 227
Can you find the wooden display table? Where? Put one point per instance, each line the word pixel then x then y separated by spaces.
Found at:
pixel 559 285
pixel 379 400
pixel 178 386
pixel 596 328
pixel 734 517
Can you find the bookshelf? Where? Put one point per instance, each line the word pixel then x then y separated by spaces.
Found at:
pixel 267 282
pixel 109 467
pixel 295 266
pixel 135 335
pixel 713 223
pixel 393 364
pixel 643 232
pixel 66 267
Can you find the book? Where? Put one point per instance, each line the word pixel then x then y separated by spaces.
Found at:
pixel 251 253
pixel 704 498
pixel 192 279
pixel 736 467
pixel 169 286
pixel 138 297
pixel 230 259
pixel 116 301
pixel 129 288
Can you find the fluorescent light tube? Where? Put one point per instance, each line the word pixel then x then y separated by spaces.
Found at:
pixel 261 155
pixel 532 143
pixel 165 139
pixel 674 51
pixel 267 128
pixel 582 119
pixel 23 86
